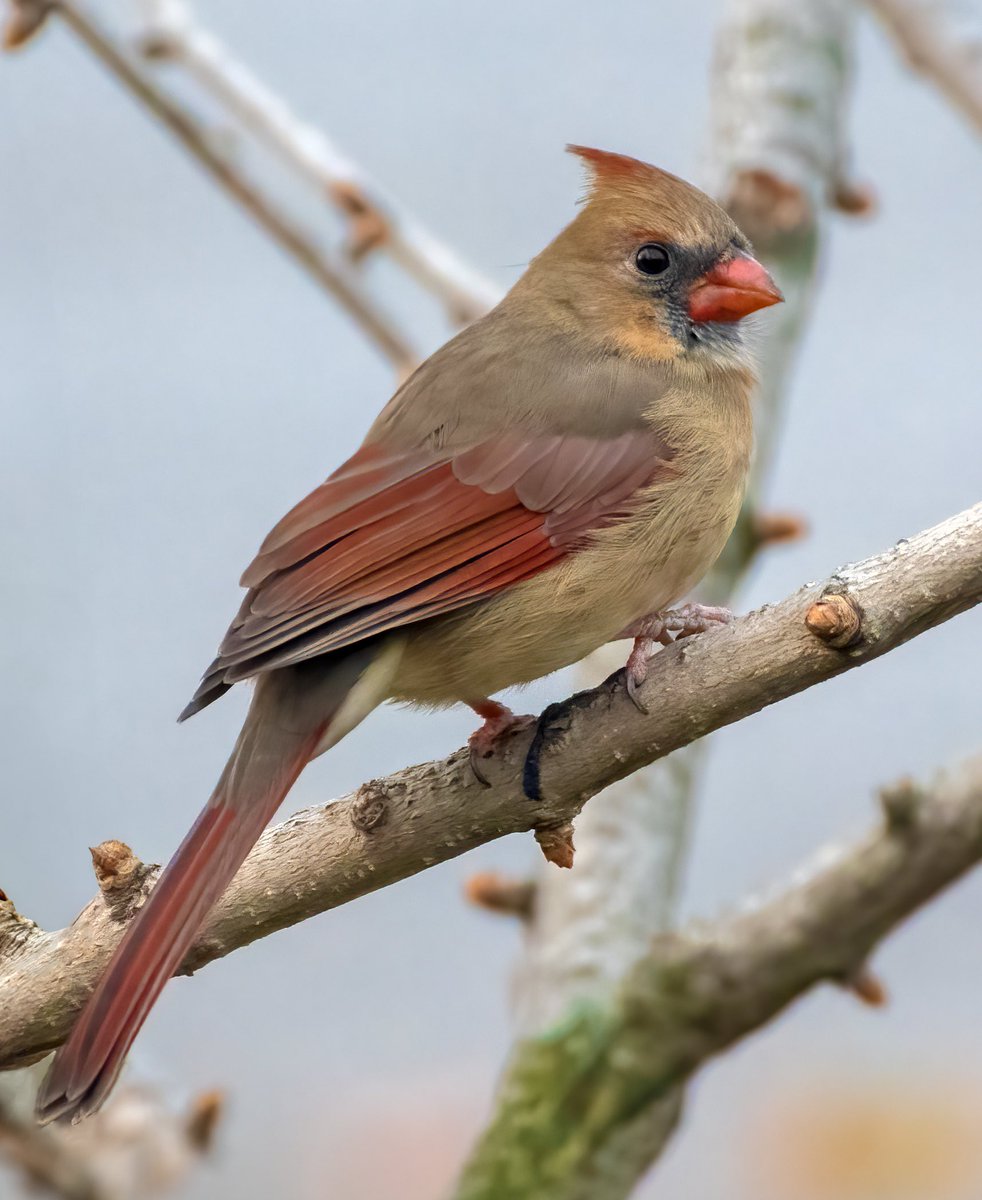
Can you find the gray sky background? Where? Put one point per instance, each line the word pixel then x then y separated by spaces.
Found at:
pixel 171 384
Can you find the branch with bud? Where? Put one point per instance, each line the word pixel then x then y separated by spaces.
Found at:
pixel 395 827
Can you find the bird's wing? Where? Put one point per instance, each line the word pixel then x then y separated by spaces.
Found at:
pixel 395 537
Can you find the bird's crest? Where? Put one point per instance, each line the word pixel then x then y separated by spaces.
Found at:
pixel 655 201
pixel 608 170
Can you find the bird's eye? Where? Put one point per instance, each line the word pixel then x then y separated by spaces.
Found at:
pixel 652 259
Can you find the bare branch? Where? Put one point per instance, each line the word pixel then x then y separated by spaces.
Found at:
pixel 173 33
pixel 337 278
pixel 500 894
pixel 924 32
pixel 696 993
pixel 323 857
pixel 25 19
pixel 137 1147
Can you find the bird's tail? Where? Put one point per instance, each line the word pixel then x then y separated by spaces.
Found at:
pixel 290 718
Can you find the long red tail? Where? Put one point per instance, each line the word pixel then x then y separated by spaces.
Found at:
pixel 289 716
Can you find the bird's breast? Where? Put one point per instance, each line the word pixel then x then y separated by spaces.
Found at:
pixel 642 564
pixel 645 561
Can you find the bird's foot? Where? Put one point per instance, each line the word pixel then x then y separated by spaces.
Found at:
pixel 691 619
pixel 664 628
pixel 498 721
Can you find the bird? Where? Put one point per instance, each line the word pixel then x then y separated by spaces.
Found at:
pixel 551 479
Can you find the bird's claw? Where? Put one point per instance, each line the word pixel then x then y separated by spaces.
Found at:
pixel 636 670
pixel 475 759
pixel 499 721
pixel 691 619
pixel 664 628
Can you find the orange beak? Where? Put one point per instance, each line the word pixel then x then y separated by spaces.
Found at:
pixel 732 290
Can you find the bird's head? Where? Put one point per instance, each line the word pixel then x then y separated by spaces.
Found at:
pixel 651 265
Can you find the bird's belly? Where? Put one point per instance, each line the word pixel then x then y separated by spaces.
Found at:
pixel 556 618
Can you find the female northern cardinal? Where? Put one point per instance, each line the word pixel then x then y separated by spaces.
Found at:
pixel 550 479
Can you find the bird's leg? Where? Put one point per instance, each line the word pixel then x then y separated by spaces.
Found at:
pixel 646 632
pixel 656 627
pixel 498 720
pixel 664 628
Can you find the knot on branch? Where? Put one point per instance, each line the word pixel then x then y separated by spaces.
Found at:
pixel 15 930
pixel 120 876
pixel 556 843
pixel 501 894
pixel 157 45
pixel 9 920
pixel 837 619
pixel 770 529
pixel 853 198
pixel 768 208
pixel 370 807
pixel 867 987
pixel 901 803
pixel 202 1120
pixel 163 35
pixel 26 18
pixel 369 227
pixel 115 865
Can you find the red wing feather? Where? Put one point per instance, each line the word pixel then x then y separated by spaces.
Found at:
pixel 391 539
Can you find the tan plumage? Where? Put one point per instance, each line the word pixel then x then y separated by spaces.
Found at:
pixel 676 530
pixel 617 367
pixel 559 470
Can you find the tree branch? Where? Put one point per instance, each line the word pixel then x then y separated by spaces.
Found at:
pixel 697 993
pixel 140 1146
pixel 337 278
pixel 924 32
pixel 171 32
pixel 426 814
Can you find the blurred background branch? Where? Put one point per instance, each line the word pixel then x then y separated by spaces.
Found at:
pixel 172 33
pixel 942 42
pixel 693 994
pixel 334 276
pixel 138 1147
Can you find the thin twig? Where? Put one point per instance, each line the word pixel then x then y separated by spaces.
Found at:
pixel 335 277
pixel 173 33
pixel 924 32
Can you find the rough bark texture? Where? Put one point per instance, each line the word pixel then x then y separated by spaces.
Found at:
pixel 696 993
pixel 398 826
